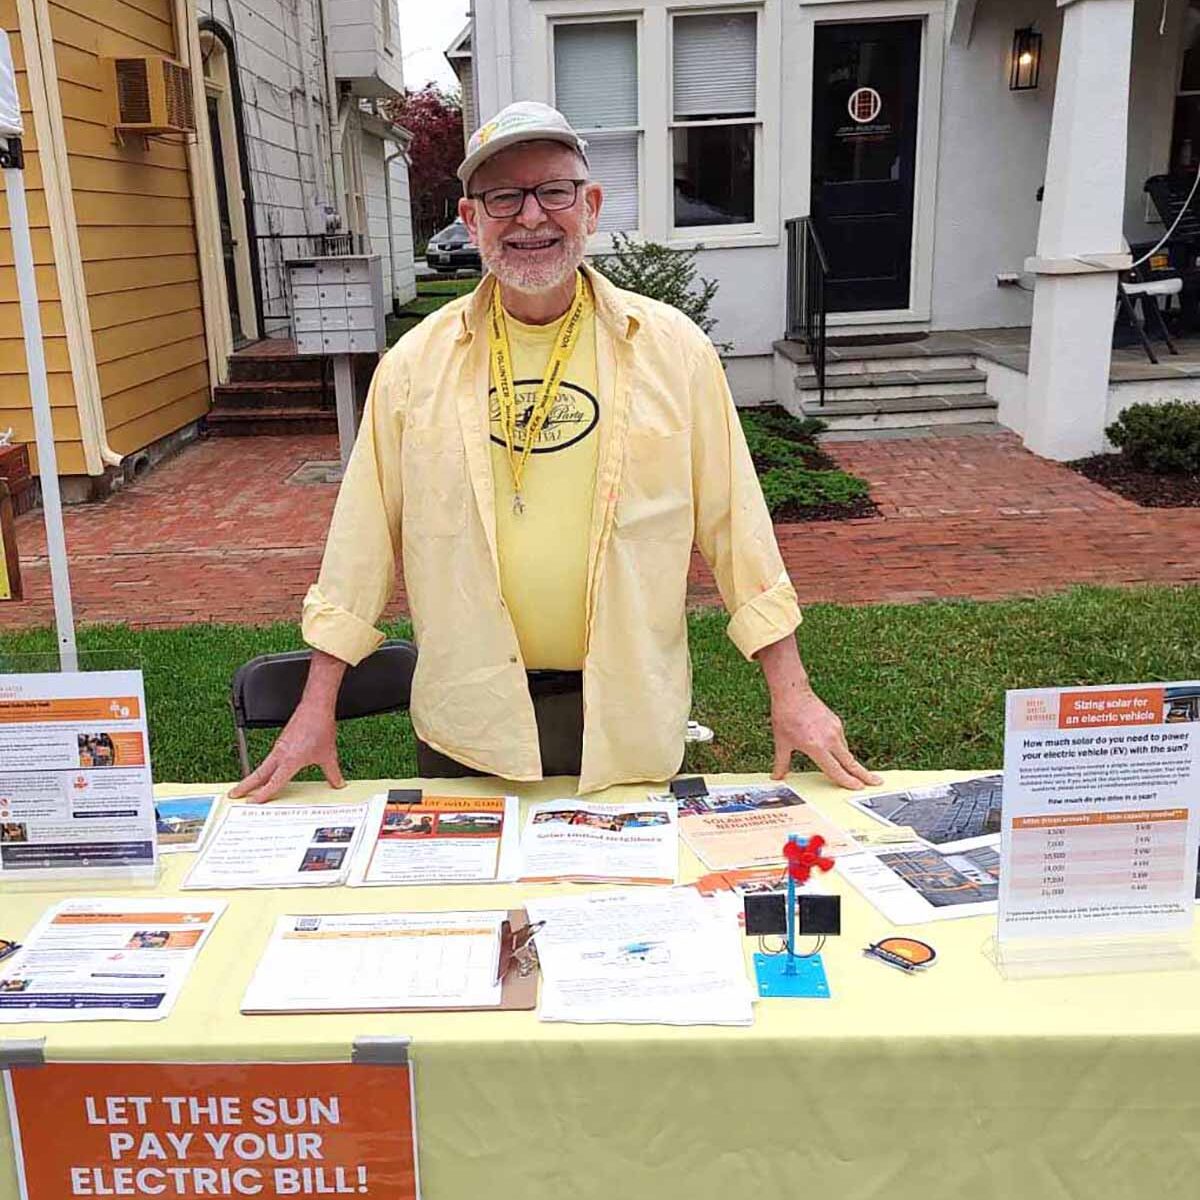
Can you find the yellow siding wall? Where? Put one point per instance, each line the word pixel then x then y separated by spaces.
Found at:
pixel 136 229
pixel 15 411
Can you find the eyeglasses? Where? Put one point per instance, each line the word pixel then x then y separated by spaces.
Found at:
pixel 554 195
pixel 8 949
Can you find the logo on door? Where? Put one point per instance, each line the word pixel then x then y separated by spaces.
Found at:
pixel 865 105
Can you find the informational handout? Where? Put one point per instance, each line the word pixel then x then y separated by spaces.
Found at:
pixel 105 960
pixel 416 838
pixel 612 843
pixel 1101 811
pixel 372 962
pixel 914 883
pixel 945 812
pixel 665 958
pixel 76 797
pixel 184 821
pixel 279 845
pixel 746 825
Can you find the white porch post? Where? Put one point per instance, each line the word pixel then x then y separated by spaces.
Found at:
pixel 1071 340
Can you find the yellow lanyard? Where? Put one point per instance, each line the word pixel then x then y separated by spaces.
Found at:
pixel 502 378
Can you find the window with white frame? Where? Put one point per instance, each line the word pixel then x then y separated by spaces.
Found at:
pixel 596 89
pixel 715 121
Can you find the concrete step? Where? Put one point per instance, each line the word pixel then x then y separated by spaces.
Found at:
pixel 848 365
pixel 905 433
pixel 909 412
pixel 254 422
pixel 886 385
pixel 272 394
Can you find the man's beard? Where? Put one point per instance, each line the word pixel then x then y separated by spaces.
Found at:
pixel 510 270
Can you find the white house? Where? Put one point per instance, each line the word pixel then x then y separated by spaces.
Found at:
pixel 300 148
pixel 971 168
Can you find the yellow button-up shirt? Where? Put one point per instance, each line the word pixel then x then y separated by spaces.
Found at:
pixel 673 470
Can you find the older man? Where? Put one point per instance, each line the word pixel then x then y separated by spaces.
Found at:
pixel 544 453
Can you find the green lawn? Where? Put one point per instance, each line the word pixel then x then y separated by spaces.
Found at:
pixel 431 295
pixel 918 686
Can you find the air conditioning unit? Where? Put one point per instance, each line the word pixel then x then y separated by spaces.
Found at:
pixel 150 95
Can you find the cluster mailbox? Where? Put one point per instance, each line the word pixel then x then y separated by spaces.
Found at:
pixel 337 304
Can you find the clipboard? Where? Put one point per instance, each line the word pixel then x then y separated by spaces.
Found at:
pixel 518 991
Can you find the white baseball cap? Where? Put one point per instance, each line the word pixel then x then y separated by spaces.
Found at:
pixel 524 121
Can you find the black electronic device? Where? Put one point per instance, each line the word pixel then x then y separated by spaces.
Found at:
pixel 405 795
pixel 688 786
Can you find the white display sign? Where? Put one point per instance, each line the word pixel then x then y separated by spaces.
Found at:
pixel 76 797
pixel 10 105
pixel 1101 811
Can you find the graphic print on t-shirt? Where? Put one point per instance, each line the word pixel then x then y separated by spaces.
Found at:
pixel 574 415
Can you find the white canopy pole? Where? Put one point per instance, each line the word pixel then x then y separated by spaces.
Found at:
pixel 12 163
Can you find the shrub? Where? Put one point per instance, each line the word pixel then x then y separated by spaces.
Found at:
pixel 654 270
pixel 1163 438
pixel 795 473
pixel 798 486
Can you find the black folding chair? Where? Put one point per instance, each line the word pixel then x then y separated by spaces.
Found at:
pixel 1168 194
pixel 265 691
pixel 1144 286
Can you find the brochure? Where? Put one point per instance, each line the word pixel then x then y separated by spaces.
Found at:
pixel 945 812
pixel 279 845
pixel 1101 812
pixel 916 883
pixel 105 960
pixel 590 843
pixel 369 962
pixel 183 821
pixel 76 797
pixel 665 958
pixel 746 825
pixel 416 838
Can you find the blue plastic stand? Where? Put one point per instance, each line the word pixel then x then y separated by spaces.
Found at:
pixel 806 978
pixel 785 974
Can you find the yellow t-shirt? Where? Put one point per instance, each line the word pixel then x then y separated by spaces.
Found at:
pixel 544 549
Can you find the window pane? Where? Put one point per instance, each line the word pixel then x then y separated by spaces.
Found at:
pixel 1190 78
pixel 595 73
pixel 716 65
pixel 614 161
pixel 714 175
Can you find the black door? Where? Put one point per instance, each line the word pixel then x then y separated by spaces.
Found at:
pixel 228 245
pixel 865 81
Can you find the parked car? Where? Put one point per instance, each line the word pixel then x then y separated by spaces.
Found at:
pixel 453 247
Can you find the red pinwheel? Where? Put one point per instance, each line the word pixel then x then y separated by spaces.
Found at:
pixel 805 854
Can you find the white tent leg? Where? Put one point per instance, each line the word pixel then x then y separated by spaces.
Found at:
pixel 31 322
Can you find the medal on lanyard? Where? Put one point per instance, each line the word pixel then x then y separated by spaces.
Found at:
pixel 547 393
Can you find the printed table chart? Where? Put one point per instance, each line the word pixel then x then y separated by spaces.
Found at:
pixel 1071 859
pixel 955 1082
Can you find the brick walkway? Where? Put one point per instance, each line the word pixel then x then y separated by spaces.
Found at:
pixel 219 534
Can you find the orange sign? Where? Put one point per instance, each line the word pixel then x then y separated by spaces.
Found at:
pixel 1121 706
pixel 81 708
pixel 199 1130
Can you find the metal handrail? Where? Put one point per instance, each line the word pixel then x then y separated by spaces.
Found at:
pixel 277 249
pixel 808 269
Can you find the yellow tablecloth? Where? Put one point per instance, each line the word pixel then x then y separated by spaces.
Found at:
pixel 954 1083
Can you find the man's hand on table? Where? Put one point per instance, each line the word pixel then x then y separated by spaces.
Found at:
pixel 800 720
pixel 308 739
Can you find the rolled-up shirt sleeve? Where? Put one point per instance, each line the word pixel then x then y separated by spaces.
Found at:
pixel 358 570
pixel 733 528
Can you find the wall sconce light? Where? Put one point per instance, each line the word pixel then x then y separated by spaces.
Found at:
pixel 1026 60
